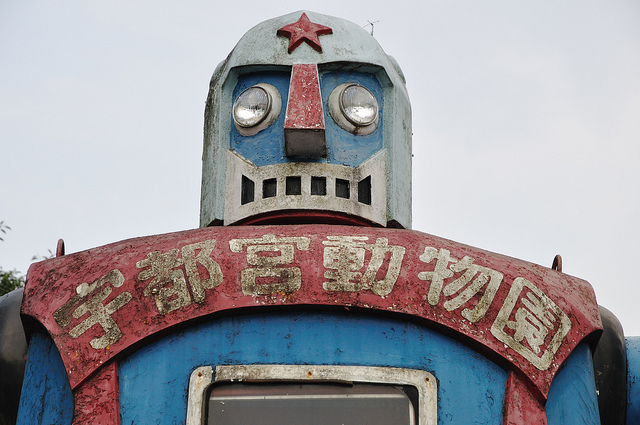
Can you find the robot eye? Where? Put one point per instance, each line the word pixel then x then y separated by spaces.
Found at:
pixel 251 107
pixel 354 108
pixel 358 105
pixel 256 108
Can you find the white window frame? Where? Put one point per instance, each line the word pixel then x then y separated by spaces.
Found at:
pixel 202 377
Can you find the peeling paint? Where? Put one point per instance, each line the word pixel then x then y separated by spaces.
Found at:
pixel 249 266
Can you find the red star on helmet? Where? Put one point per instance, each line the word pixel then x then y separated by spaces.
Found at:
pixel 304 30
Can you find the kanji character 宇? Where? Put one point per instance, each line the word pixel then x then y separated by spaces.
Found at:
pixel 90 299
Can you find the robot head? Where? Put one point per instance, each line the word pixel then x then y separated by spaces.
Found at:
pixel 307 121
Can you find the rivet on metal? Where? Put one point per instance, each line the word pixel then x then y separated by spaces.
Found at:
pixel 557 263
pixel 60 248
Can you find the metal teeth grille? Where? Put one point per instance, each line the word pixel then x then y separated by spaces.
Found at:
pixel 293 187
pixel 254 190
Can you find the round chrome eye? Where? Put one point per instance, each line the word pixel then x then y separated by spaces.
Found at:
pixel 359 105
pixel 354 108
pixel 251 107
pixel 256 108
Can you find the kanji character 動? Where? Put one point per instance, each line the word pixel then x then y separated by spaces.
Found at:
pixel 345 256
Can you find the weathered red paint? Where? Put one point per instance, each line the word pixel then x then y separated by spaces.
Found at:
pixel 60 248
pixel 122 273
pixel 304 30
pixel 520 405
pixel 557 263
pixel 304 135
pixel 96 400
pixel 304 107
pixel 305 217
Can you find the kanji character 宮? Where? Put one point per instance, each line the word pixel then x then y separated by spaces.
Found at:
pixel 281 279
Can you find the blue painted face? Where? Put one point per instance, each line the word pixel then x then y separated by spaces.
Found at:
pixel 343 147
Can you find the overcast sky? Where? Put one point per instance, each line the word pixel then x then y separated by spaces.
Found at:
pixel 526 121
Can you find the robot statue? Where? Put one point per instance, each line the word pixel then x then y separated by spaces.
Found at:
pixel 304 297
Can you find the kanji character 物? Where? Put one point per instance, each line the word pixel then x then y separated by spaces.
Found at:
pixel 465 287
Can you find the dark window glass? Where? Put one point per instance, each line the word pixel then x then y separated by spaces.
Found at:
pixel 342 189
pixel 311 404
pixel 319 186
pixel 247 191
pixel 364 191
pixel 293 186
pixel 269 188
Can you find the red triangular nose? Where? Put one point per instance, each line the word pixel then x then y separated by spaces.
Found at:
pixel 304 120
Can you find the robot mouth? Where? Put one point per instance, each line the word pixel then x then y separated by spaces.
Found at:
pixel 305 186
pixel 289 217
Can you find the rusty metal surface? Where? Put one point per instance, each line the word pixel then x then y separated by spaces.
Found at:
pixel 199 381
pixel 98 302
pixel 96 400
pixel 60 248
pixel 557 263
pixel 520 405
